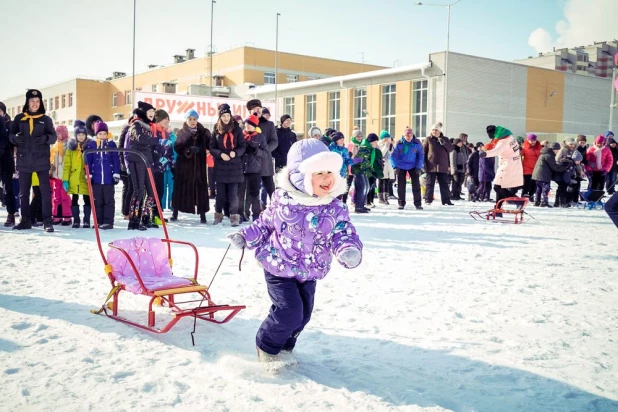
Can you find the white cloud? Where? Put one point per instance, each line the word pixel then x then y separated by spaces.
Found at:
pixel 586 21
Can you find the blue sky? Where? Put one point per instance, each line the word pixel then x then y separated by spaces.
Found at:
pixel 69 38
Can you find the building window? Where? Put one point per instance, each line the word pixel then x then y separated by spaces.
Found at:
pixel 50 105
pixel 69 122
pixel 310 111
pixel 127 96
pixel 169 88
pixel 388 107
pixel 154 88
pixel 57 102
pixel 114 99
pixel 360 108
pixel 334 110
pixel 64 101
pixel 269 78
pixel 70 99
pixel 419 108
pixel 292 78
pixel 288 108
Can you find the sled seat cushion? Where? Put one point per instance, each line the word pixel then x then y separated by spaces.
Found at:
pixel 149 255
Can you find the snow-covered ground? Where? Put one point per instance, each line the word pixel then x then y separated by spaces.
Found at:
pixel 445 313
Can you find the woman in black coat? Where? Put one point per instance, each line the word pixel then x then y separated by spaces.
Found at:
pixel 227 146
pixel 191 181
pixel 255 155
pixel 286 138
pixel 33 132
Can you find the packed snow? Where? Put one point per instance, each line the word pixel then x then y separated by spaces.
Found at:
pixel 445 313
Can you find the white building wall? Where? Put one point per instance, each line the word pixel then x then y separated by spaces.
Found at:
pixel 586 105
pixel 65 114
pixel 483 92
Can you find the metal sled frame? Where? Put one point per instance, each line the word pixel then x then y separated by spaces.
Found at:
pixel 203 308
pixel 515 216
pixel 592 199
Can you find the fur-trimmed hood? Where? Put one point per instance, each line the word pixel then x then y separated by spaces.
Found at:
pixel 73 143
pixel 283 178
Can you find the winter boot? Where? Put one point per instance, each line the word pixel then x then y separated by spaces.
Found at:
pixel 419 207
pixel 56 221
pixel 382 199
pixel 87 211
pixel 563 203
pixel 531 199
pixel 66 221
pixel 48 226
pixel 545 204
pixel 75 212
pixel 537 203
pixel 174 215
pixel 203 218
pixel 235 220
pixel 10 221
pixel 24 224
pixel 401 206
pixel 218 219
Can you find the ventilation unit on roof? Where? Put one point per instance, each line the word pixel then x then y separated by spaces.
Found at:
pixel 179 59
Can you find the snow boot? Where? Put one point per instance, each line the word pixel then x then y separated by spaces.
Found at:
pixel 382 199
pixel 106 226
pixel 563 203
pixel 66 221
pixel 218 219
pixel 48 226
pixel 56 221
pixel 266 357
pixel 235 220
pixel 203 218
pixel 174 215
pixel 545 204
pixel 76 221
pixel 419 207
pixel 87 211
pixel 10 221
pixel 24 224
pixel 537 203
pixel 361 211
pixel 401 207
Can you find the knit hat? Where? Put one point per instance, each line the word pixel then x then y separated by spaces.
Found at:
pixel 3 107
pixel 265 111
pixel 457 141
pixel 62 131
pixel 100 127
pixel 224 108
pixel 531 136
pixel 356 133
pixel 192 113
pixel 437 126
pixel 252 120
pixel 611 140
pixel 555 146
pixel 31 94
pixel 329 131
pixel 372 137
pixel 600 139
pixel 569 141
pixel 145 106
pixel 577 156
pixel 90 122
pixel 609 133
pixel 160 115
pixel 336 136
pixel 479 144
pixel 384 134
pixel 285 117
pixel 253 103
pixel 309 156
pixel 581 138
pixel 520 140
pixel 315 131
pixel 79 127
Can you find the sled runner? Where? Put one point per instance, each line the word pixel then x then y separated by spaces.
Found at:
pixel 509 210
pixel 592 199
pixel 143 266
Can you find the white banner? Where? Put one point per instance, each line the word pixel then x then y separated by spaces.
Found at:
pixel 177 105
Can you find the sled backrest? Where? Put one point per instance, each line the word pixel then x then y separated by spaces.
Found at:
pixel 512 204
pixel 149 255
pixel 592 195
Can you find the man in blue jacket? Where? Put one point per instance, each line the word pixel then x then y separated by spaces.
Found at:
pixel 408 157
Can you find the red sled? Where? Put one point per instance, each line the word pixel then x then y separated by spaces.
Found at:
pixel 509 210
pixel 143 266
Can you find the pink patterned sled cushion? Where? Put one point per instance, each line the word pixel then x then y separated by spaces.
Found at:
pixel 149 256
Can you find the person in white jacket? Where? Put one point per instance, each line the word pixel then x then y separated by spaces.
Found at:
pixel 386 147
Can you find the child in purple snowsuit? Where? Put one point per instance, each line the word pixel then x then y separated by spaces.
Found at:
pixel 295 239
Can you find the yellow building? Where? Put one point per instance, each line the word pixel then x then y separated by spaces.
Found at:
pixel 234 73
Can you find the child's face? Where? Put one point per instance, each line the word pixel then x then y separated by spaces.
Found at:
pixel 249 128
pixel 581 143
pixel 374 144
pixel 192 122
pixel 102 135
pixel 81 137
pixel 340 142
pixel 323 183
pixel 556 152
pixel 150 114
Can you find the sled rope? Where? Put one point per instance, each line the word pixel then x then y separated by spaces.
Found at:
pixel 111 293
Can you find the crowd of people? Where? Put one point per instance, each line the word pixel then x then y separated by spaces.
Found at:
pixel 236 164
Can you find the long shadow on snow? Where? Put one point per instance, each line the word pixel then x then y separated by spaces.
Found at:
pixel 397 373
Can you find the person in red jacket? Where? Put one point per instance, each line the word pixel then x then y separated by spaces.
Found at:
pixel 531 151
pixel 600 162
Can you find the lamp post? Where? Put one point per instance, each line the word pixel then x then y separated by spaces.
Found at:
pixel 448 37
pixel 212 14
pixel 133 80
pixel 276 62
pixel 612 102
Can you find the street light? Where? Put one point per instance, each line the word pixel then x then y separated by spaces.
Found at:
pixel 276 62
pixel 612 102
pixel 448 36
pixel 212 12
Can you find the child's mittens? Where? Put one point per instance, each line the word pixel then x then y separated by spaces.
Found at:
pixel 237 240
pixel 65 185
pixel 225 157
pixel 116 178
pixel 350 258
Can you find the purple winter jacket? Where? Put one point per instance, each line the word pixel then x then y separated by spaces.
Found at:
pixel 297 235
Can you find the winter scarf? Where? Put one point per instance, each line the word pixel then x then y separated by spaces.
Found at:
pixel 228 137
pixel 365 143
pixel 499 134
pixel 29 118
pixel 249 135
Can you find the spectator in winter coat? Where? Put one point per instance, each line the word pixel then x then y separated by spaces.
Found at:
pixel 33 133
pixel 509 176
pixel 436 148
pixel 472 171
pixel 566 152
pixel 408 158
pixel 61 202
pixel 267 128
pixel 386 148
pixel 255 153
pixel 600 162
pixel 191 181
pixel 7 167
pixel 74 174
pixel 582 147
pixel 487 174
pixel 610 178
pixel 315 133
pixel 326 138
pixel 458 158
pixel 577 175
pixel 127 188
pixel 227 147
pixel 286 138
pixel 369 167
pixel 544 171
pixel 530 152
pixel 338 146
pixel 295 240
pixel 162 157
pixel 105 174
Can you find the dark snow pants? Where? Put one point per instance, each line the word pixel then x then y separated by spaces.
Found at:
pixel 104 203
pixel 289 313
